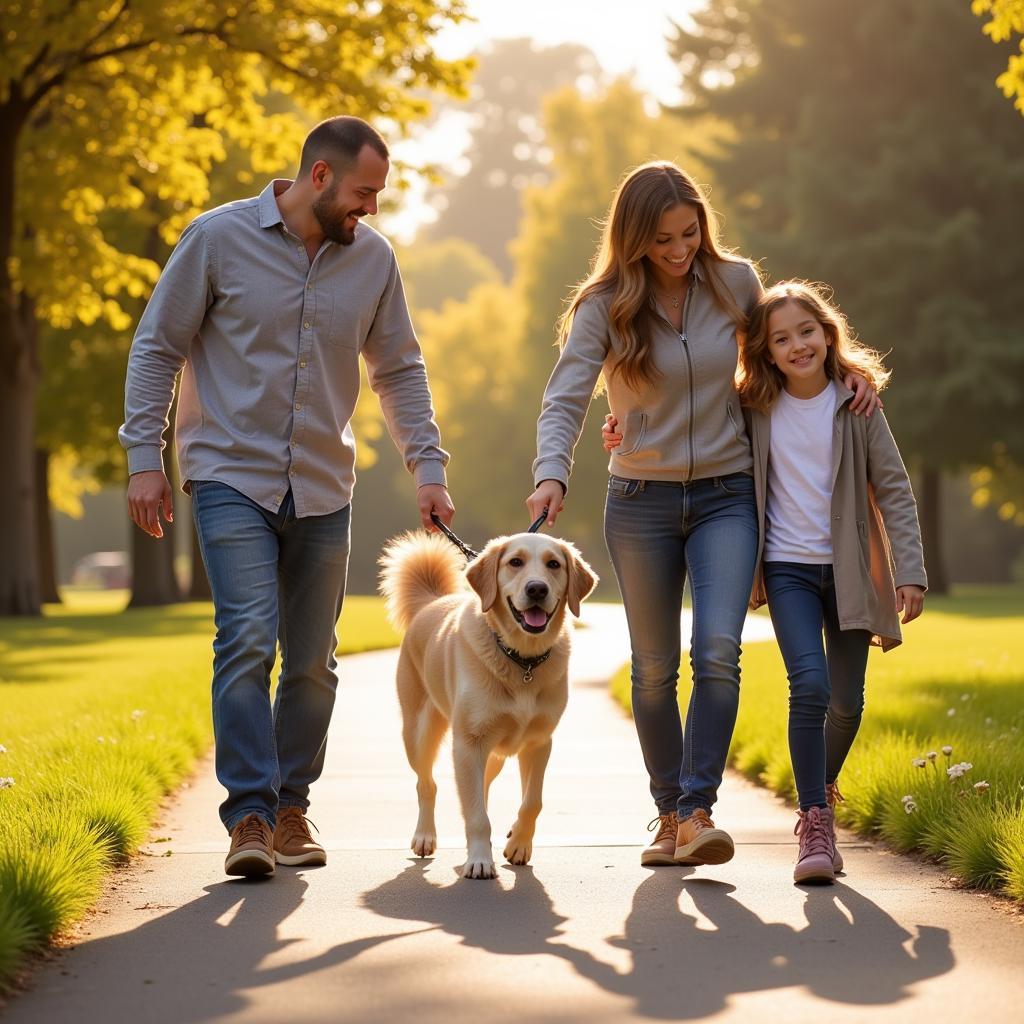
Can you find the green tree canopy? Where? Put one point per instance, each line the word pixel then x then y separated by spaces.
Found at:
pixel 104 105
pixel 856 163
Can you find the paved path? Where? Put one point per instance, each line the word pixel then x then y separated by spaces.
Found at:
pixel 583 935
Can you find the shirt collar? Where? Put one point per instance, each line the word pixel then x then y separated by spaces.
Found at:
pixel 270 214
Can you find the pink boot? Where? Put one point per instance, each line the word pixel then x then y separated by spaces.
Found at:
pixel 814 861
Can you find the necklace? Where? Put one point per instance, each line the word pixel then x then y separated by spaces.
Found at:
pixel 674 299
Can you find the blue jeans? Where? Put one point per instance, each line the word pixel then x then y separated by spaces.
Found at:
pixel 275 579
pixel 657 533
pixel 826 680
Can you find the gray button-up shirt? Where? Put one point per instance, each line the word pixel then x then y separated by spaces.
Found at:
pixel 268 347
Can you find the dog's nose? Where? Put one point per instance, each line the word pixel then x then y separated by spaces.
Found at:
pixel 536 590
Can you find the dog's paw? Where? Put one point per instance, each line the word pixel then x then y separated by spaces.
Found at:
pixel 518 849
pixel 479 867
pixel 424 844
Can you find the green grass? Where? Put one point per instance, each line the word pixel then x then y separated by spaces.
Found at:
pixel 102 715
pixel 956 681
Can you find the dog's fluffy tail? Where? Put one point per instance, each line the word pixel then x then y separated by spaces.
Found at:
pixel 416 568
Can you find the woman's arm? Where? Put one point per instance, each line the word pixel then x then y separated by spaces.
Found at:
pixel 567 399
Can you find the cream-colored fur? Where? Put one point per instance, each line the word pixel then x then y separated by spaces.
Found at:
pixel 451 672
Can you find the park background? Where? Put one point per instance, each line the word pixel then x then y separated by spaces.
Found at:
pixel 878 147
pixel 868 147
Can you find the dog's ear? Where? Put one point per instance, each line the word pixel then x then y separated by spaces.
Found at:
pixel 482 573
pixel 582 579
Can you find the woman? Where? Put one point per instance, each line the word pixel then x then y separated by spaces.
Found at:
pixel 656 322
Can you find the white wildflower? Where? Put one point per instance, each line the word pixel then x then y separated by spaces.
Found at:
pixel 965 696
pixel 101 739
pixel 910 807
pixel 3 749
pixel 137 714
pixel 982 787
pixel 931 755
pixel 919 762
pixel 988 721
pixel 951 712
pixel 908 799
pixel 6 783
pixel 947 751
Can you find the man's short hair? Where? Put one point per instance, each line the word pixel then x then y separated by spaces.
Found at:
pixel 339 141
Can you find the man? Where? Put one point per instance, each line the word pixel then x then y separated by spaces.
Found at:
pixel 265 306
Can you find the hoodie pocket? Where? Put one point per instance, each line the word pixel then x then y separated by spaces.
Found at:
pixel 634 426
pixel 738 427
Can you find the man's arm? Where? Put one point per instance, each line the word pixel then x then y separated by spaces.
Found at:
pixel 171 320
pixel 398 376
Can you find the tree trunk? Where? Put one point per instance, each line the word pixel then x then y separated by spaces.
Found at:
pixel 19 551
pixel 44 531
pixel 19 569
pixel 930 508
pixel 153 579
pixel 199 590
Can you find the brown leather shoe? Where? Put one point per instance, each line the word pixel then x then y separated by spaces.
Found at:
pixel 699 842
pixel 662 849
pixel 293 843
pixel 252 852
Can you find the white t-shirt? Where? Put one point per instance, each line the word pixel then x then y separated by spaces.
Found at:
pixel 799 501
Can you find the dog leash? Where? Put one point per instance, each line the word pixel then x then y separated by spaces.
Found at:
pixel 472 553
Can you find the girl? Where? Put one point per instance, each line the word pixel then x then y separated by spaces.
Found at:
pixel 657 318
pixel 836 509
pixel 825 482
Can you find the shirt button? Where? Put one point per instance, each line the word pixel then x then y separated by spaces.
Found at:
pixel 302 365
pixel 297 406
pixel 836 516
pixel 306 325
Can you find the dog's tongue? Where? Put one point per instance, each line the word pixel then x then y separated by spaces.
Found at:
pixel 535 617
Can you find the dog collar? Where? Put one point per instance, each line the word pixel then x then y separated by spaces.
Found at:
pixel 526 664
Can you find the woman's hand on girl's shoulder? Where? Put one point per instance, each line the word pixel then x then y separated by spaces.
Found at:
pixel 910 601
pixel 610 438
pixel 865 397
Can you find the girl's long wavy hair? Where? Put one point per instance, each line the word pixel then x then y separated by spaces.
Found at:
pixel 619 268
pixel 759 381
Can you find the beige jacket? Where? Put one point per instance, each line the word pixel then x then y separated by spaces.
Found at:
pixel 687 424
pixel 876 540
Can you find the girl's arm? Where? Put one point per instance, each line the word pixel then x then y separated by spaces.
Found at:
pixel 567 398
pixel 895 499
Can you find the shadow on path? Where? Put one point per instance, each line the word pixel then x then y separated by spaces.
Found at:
pixel 691 945
pixel 195 963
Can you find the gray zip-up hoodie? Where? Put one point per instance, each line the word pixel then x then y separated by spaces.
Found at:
pixel 684 426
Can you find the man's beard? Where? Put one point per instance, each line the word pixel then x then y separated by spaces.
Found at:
pixel 331 224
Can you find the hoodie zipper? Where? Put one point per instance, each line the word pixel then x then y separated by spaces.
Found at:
pixel 689 374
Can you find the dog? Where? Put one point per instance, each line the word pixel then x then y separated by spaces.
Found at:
pixel 486 651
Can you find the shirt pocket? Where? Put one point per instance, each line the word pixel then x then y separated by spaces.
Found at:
pixel 634 427
pixel 347 325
